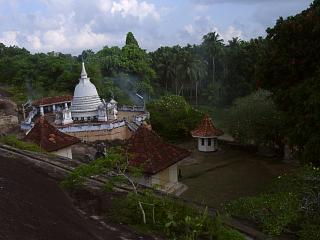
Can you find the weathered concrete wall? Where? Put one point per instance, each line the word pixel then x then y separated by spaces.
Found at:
pixel 6 120
pixel 120 133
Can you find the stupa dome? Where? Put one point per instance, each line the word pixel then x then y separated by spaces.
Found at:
pixel 85 100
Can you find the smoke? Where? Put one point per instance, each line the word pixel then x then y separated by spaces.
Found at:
pixel 131 85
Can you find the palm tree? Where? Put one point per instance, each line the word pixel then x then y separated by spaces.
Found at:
pixel 213 43
pixel 193 70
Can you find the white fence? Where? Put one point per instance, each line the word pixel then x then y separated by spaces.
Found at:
pixel 92 127
pixel 131 108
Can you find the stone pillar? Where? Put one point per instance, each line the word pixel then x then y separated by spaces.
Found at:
pixel 65 105
pixel 41 111
pixel 54 108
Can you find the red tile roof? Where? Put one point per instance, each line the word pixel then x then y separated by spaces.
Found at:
pixel 48 137
pixel 206 129
pixel 152 153
pixel 52 100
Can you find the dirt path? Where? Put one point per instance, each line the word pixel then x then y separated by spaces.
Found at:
pixel 32 206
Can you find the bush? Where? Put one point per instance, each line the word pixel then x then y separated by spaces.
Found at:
pixel 12 140
pixel 175 218
pixel 172 117
pixel 292 201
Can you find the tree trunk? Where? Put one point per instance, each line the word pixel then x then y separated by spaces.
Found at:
pixel 213 70
pixel 196 93
pixel 143 213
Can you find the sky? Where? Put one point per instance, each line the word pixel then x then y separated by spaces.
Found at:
pixel 70 26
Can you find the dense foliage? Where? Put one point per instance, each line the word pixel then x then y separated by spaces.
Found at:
pixel 212 72
pixel 254 119
pixel 291 71
pixel 292 201
pixel 172 117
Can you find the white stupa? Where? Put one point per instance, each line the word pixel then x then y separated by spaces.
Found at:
pixel 86 101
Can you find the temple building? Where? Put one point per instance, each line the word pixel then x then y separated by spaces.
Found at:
pixel 84 106
pixel 51 139
pixel 85 115
pixel 158 159
pixel 207 135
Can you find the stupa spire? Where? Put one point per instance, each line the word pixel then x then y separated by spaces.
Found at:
pixel 83 71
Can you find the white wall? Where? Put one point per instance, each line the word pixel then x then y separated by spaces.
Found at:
pixel 166 179
pixel 203 145
pixel 64 152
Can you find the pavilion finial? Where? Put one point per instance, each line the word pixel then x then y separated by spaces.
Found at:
pixel 83 71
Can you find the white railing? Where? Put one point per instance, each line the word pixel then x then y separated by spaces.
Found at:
pixel 92 127
pixel 131 108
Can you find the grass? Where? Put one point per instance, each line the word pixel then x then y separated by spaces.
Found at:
pixel 220 177
pixel 12 140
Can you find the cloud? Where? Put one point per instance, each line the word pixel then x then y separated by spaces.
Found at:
pixel 9 38
pixel 135 9
pixel 71 26
pixel 193 32
pixel 211 2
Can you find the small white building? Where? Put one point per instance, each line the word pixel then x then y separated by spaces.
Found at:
pixel 158 159
pixel 51 139
pixel 207 135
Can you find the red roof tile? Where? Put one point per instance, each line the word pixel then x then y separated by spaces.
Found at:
pixel 206 129
pixel 48 137
pixel 152 153
pixel 52 100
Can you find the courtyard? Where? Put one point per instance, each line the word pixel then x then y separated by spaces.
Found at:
pixel 218 177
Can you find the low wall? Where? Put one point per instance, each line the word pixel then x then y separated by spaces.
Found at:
pixel 5 120
pixel 119 133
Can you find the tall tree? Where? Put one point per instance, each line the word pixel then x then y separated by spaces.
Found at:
pixel 291 71
pixel 213 44
pixel 130 39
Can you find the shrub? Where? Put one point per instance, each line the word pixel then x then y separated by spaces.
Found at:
pixel 12 140
pixel 173 217
pixel 254 119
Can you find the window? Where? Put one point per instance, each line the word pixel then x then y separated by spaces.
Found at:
pixel 209 141
pixel 202 142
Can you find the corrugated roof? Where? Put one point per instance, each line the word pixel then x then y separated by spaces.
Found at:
pixel 152 153
pixel 206 129
pixel 48 137
pixel 52 100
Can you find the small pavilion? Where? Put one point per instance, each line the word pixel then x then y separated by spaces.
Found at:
pixel 52 104
pixel 158 159
pixel 51 139
pixel 207 135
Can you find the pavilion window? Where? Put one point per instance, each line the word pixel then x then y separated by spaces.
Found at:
pixel 202 142
pixel 209 141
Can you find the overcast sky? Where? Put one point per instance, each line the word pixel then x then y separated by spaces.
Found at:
pixel 70 26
